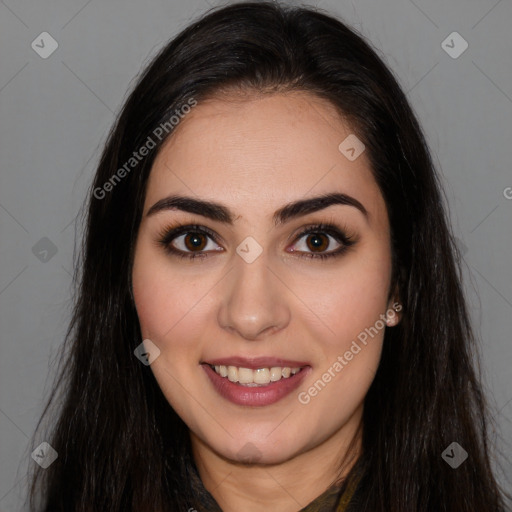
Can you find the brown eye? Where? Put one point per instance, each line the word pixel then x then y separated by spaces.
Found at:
pixel 190 241
pixel 323 241
pixel 195 241
pixel 317 242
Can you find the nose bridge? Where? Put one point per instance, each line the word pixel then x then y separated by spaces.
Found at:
pixel 254 301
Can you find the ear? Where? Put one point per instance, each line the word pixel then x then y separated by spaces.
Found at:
pixel 394 311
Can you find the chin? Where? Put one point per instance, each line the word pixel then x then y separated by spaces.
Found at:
pixel 260 452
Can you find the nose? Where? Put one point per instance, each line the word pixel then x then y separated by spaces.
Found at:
pixel 255 301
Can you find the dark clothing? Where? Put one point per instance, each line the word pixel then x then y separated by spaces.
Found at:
pixel 334 499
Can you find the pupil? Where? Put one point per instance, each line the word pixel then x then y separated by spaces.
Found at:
pixel 193 241
pixel 316 241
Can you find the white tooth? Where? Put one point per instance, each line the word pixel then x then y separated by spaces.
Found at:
pixel 275 373
pixel 262 376
pixel 245 375
pixel 232 373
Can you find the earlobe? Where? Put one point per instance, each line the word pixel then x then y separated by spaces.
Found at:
pixel 393 316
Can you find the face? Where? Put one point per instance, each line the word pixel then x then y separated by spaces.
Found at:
pixel 269 318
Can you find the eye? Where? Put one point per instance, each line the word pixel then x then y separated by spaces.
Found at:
pixel 189 241
pixel 321 237
pixel 195 241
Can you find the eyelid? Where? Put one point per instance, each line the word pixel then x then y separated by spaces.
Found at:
pixel 169 232
pixel 333 228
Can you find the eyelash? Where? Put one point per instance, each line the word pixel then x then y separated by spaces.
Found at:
pixel 169 233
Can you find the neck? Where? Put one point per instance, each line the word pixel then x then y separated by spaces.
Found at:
pixel 287 486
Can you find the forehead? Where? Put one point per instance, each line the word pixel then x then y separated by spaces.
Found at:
pixel 259 151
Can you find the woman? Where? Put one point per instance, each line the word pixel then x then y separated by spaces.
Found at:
pixel 270 313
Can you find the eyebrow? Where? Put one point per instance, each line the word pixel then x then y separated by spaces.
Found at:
pixel 220 213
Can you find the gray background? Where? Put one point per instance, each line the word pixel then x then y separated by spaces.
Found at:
pixel 55 114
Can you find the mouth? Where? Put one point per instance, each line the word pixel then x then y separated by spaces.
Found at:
pixel 254 378
pixel 256 382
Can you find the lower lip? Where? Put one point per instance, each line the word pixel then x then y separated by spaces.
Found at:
pixel 255 395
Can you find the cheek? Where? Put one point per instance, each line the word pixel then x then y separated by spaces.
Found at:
pixel 159 299
pixel 155 300
pixel 172 314
pixel 171 305
pixel 351 303
pixel 350 299
pixel 351 350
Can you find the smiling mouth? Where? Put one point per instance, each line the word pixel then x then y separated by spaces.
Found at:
pixel 254 378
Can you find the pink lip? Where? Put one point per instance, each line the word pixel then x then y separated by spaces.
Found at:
pixel 255 396
pixel 256 362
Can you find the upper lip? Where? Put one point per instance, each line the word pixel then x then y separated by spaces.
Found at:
pixel 256 362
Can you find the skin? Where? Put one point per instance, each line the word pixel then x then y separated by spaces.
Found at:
pixel 254 154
